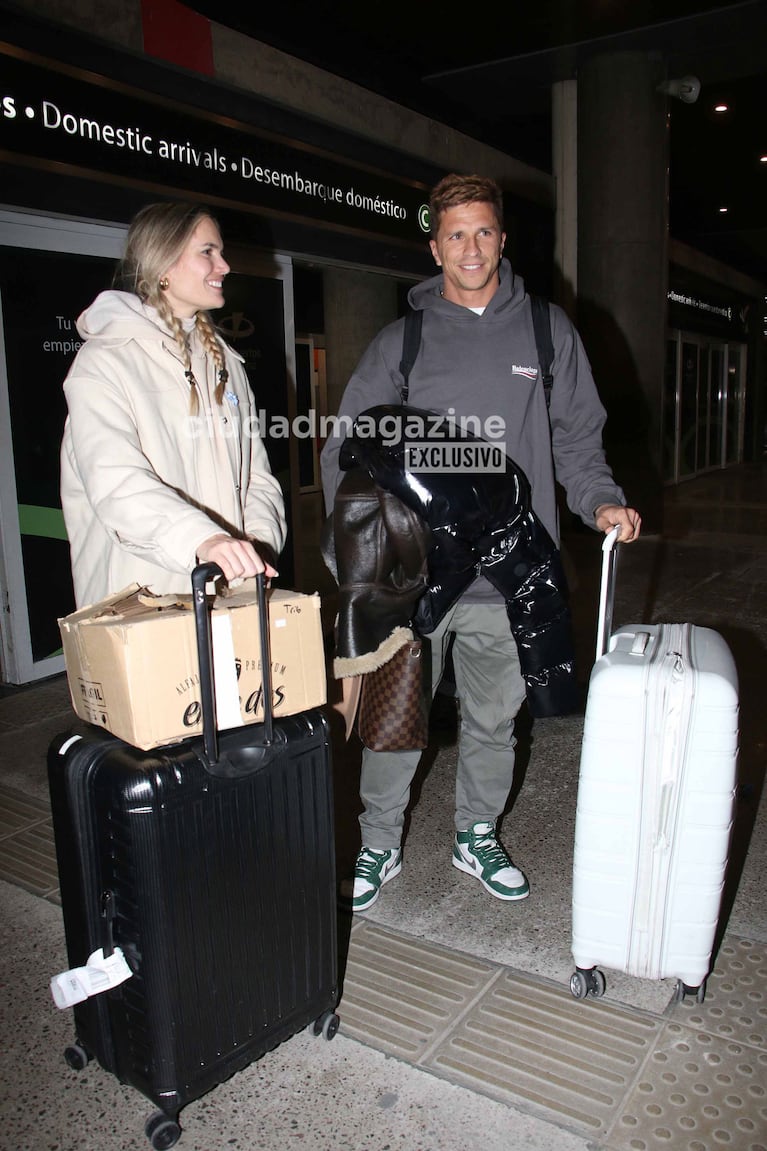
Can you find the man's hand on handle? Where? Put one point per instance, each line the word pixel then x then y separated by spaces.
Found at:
pixel 608 516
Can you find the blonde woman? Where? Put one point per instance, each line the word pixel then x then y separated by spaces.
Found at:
pixel 162 464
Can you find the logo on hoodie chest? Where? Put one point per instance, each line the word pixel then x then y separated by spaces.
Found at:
pixel 530 372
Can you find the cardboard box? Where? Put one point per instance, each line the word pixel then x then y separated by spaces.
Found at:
pixel 132 664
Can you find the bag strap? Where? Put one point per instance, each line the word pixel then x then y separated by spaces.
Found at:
pixel 411 342
pixel 543 342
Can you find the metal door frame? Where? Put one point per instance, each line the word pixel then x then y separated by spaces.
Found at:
pixel 706 345
pixel 43 232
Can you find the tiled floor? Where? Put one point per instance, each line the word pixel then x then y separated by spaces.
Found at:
pixel 448 982
pixel 631 1078
pixel 27 852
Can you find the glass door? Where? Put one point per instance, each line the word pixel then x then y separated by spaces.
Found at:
pixel 718 410
pixel 704 405
pixel 688 409
pixel 50 270
pixel 734 403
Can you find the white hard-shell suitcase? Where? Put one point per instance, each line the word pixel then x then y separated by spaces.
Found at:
pixel 656 795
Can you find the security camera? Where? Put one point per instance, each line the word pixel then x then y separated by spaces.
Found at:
pixel 686 88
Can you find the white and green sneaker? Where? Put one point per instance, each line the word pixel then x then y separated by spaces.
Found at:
pixel 372 870
pixel 478 853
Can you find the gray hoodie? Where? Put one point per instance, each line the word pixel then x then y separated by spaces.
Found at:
pixel 484 369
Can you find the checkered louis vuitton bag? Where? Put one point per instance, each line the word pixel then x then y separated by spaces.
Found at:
pixel 393 714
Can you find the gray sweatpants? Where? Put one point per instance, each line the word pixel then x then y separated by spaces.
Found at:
pixel 491 691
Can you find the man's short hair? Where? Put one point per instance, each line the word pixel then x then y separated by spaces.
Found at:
pixel 453 190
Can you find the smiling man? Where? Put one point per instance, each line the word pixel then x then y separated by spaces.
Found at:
pixel 478 363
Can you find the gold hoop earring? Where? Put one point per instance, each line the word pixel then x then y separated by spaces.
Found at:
pixel 164 284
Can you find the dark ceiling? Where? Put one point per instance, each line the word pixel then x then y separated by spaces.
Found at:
pixel 488 72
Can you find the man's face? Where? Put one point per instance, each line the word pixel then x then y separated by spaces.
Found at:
pixel 468 248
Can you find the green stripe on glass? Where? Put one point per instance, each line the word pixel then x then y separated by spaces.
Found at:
pixel 47 522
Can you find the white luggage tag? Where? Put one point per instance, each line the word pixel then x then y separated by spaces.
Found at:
pixel 99 974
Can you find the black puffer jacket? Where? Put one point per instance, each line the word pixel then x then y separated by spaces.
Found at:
pixel 480 521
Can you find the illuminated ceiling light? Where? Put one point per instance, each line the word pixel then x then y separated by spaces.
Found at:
pixel 763 159
pixel 722 209
pixel 721 108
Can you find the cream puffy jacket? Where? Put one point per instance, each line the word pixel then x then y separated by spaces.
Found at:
pixel 144 483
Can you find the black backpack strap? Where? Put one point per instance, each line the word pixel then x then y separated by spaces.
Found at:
pixel 543 341
pixel 411 342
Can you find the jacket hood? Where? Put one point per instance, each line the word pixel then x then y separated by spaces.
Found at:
pixel 509 295
pixel 117 315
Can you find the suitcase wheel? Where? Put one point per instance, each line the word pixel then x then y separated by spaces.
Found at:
pixel 162 1131
pixel 327 1025
pixel 76 1056
pixel 683 990
pixel 587 982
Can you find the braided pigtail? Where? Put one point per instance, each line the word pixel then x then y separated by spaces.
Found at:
pixel 179 335
pixel 210 342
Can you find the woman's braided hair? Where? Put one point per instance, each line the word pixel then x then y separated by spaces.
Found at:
pixel 156 239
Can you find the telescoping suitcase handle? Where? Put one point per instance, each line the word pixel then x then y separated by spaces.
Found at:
pixel 607 590
pixel 258 751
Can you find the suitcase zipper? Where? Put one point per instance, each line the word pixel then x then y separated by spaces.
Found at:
pixel 99 913
pixel 662 787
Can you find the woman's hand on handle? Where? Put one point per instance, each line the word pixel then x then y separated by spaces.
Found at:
pixel 608 516
pixel 237 559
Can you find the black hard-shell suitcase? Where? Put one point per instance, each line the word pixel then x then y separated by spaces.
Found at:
pixel 210 865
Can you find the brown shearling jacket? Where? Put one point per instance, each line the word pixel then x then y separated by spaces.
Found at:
pixel 377 549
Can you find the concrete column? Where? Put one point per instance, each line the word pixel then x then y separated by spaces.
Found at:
pixel 564 167
pixel 623 259
pixel 356 305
